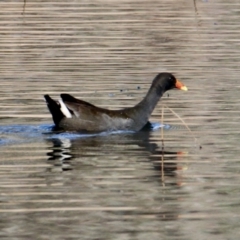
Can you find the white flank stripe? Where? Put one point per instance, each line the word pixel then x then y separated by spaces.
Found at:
pixel 64 109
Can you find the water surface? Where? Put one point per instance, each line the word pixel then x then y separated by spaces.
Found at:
pixel 125 185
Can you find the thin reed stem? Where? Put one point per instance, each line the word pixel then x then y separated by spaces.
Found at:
pixel 195 139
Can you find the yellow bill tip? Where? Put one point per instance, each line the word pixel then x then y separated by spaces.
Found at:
pixel 184 88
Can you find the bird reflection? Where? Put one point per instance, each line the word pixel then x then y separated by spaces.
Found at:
pixel 65 149
pixel 60 153
pixel 138 159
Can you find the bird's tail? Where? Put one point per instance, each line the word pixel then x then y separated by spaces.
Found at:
pixel 55 109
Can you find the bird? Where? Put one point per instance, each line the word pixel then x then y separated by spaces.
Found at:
pixel 74 115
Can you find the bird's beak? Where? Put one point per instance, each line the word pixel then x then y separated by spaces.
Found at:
pixel 180 86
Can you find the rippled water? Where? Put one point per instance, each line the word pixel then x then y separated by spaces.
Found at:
pixel 120 185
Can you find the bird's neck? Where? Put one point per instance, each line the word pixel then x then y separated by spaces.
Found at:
pixel 147 105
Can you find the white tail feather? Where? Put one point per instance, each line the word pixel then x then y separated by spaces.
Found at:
pixel 64 109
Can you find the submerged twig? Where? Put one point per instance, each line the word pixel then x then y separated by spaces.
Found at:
pixel 196 13
pixel 24 6
pixel 195 6
pixel 162 157
pixel 162 117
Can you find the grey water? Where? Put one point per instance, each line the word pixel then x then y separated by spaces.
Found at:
pixel 168 183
